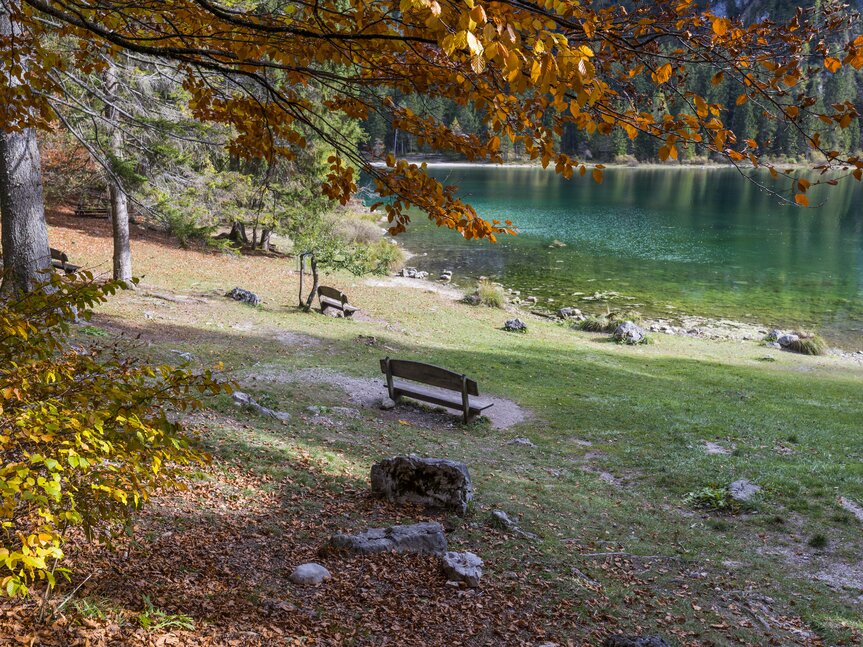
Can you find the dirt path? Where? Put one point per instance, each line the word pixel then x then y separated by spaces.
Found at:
pixel 368 393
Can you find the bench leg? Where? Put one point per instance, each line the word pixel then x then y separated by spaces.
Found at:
pixel 465 400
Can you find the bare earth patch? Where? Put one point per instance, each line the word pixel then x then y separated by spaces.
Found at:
pixel 368 393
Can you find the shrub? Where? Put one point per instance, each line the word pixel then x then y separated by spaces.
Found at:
pixel 814 345
pixel 490 295
pixel 384 257
pixel 712 498
pixel 598 324
pixel 355 231
pixel 84 429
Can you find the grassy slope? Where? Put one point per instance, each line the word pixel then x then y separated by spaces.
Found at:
pixel 646 411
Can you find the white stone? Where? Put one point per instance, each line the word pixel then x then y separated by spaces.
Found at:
pixel 311 573
pixel 465 567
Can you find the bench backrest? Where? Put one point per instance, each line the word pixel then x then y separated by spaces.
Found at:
pixel 428 374
pixel 332 293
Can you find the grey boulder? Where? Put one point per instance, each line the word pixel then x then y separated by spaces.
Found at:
pixel 515 325
pixel 432 482
pixel 743 490
pixel 428 538
pixel 239 294
pixel 628 333
pixel 635 641
pixel 786 340
pixel 311 573
pixel 462 567
pixel 246 401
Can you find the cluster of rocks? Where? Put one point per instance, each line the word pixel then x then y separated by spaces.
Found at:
pixel 245 401
pixel 244 296
pixel 570 313
pixel 515 325
pixel 413 273
pixel 780 339
pixel 433 482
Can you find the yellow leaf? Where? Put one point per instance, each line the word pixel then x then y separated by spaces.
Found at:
pixel 662 74
pixel 721 26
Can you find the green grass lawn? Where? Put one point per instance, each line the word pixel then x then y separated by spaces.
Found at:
pixel 620 434
pixel 620 437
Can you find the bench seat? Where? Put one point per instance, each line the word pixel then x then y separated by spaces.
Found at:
pixel 441 397
pixel 346 308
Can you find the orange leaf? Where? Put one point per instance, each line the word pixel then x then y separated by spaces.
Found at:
pixel 801 199
pixel 832 64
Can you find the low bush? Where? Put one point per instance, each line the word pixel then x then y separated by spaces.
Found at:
pixel 814 345
pixel 490 295
pixel 717 499
pixel 594 323
pixel 86 431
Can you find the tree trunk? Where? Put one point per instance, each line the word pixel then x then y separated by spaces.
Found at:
pixel 265 239
pixel 238 233
pixel 22 209
pixel 119 201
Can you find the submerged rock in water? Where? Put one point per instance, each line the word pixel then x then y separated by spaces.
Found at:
pixel 628 333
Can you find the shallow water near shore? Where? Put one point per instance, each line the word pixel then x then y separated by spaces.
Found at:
pixel 663 242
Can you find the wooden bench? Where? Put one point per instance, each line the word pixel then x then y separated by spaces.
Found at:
pixel 434 376
pixel 92 212
pixel 332 298
pixel 60 261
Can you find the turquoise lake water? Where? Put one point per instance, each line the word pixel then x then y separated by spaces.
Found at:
pixel 694 241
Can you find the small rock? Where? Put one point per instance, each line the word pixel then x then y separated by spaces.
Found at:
pixel 635 641
pixel 525 442
pixel 310 573
pixel 246 401
pixel 464 567
pixel 510 575
pixel 387 404
pixel 500 519
pixel 743 490
pixel 629 333
pixel 187 356
pixel 335 313
pixel 773 344
pixel 567 313
pixel 532 300
pixel 557 244
pixel 774 335
pixel 239 294
pixel 515 325
pixel 786 340
pixel 472 299
pixel 417 538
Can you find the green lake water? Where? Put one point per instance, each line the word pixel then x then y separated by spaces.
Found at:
pixel 669 241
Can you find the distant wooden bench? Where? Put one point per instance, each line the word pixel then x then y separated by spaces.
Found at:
pixel 332 298
pixel 92 212
pixel 60 261
pixel 434 376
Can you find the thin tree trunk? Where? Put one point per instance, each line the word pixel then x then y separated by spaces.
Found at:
pixel 119 201
pixel 22 210
pixel 265 239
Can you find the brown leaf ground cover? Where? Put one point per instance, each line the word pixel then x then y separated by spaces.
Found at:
pixel 210 565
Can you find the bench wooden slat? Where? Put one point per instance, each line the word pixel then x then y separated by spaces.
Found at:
pixel 330 297
pixel 441 398
pixel 429 374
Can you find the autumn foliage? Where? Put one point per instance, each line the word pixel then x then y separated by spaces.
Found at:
pixel 86 432
pixel 529 70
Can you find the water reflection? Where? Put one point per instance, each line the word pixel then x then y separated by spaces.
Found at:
pixel 704 240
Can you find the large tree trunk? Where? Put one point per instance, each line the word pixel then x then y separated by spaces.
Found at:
pixel 22 209
pixel 119 201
